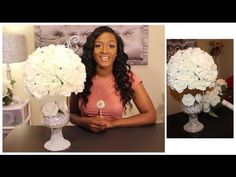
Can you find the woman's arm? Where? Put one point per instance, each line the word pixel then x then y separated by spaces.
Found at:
pixel 144 105
pixel 95 124
pixel 92 123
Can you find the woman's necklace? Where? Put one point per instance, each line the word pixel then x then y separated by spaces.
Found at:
pixel 100 103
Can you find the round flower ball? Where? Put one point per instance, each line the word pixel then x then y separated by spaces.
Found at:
pixel 191 68
pixel 54 70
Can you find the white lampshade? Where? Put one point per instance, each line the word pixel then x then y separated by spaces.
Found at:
pixel 14 48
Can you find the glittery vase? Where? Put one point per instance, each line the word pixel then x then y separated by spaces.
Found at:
pixel 57 142
pixel 193 124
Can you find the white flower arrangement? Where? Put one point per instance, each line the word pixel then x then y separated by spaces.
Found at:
pixel 214 96
pixel 54 70
pixel 191 68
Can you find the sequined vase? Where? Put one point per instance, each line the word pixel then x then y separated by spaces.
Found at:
pixel 193 125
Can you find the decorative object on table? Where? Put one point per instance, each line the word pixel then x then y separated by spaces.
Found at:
pixel 191 70
pixel 7 94
pixel 56 116
pixel 192 106
pixel 52 73
pixel 14 51
pixel 215 97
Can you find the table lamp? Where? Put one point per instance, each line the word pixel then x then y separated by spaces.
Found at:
pixel 14 50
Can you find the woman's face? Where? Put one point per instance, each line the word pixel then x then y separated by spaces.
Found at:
pixel 105 50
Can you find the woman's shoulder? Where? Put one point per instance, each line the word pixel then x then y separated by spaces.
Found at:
pixel 136 79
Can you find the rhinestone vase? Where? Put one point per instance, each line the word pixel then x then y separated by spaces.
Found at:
pixel 57 142
pixel 193 124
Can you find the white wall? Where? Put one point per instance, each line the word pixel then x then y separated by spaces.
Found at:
pixel 151 74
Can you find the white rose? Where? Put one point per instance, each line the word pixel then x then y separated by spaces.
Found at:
pixel 198 98
pixel 63 106
pixel 188 99
pixel 50 109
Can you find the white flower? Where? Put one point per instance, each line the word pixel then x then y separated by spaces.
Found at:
pixel 52 108
pixel 214 96
pixel 54 70
pixel 191 69
pixel 188 99
pixel 198 98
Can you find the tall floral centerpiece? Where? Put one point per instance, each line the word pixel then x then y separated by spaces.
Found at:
pixel 54 71
pixel 189 70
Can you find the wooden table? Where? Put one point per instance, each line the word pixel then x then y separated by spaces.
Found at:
pixel 135 139
pixel 221 127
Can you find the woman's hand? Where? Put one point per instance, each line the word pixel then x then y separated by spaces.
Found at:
pixel 96 124
pixel 109 122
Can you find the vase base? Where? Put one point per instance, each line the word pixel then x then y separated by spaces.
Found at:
pixel 58 145
pixel 193 128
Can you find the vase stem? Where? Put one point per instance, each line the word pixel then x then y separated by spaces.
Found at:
pixel 57 142
pixel 193 124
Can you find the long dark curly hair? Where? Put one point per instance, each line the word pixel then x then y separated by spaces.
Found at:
pixel 121 70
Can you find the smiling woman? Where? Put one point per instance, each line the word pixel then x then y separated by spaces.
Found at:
pixel 110 86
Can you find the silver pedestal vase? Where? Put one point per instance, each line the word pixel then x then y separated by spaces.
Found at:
pixel 57 142
pixel 193 124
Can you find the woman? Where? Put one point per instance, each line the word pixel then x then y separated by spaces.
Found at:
pixel 110 86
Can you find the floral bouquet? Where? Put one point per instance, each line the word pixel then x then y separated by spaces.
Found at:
pixel 7 95
pixel 215 97
pixel 187 70
pixel 191 69
pixel 54 70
